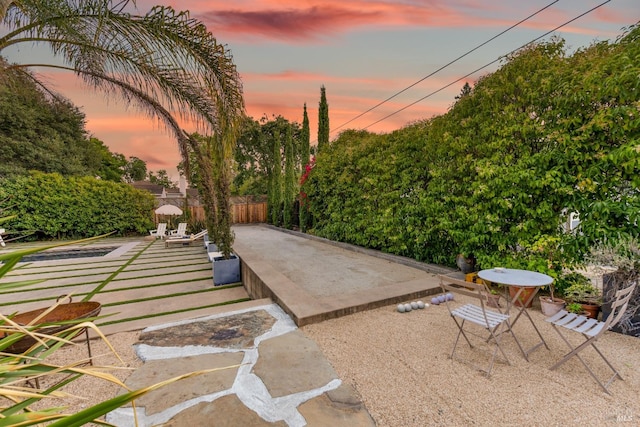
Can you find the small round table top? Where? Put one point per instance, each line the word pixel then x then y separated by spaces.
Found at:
pixel 514 277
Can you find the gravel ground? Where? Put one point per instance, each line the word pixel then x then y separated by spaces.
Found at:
pixel 88 391
pixel 399 364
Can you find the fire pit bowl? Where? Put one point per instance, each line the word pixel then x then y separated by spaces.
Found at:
pixel 63 312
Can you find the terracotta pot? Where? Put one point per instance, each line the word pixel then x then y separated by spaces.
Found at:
pixel 524 295
pixel 550 307
pixel 493 300
pixel 591 310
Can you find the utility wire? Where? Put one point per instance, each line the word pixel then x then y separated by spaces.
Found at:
pixel 446 65
pixel 485 66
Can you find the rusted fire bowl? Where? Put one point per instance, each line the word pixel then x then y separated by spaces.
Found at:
pixel 63 312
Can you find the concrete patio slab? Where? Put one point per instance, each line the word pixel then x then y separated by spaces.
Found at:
pixel 314 279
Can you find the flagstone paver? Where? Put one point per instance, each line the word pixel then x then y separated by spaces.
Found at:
pixel 203 413
pixel 271 350
pixel 155 371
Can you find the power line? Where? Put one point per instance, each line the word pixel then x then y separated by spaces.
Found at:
pixel 485 66
pixel 446 65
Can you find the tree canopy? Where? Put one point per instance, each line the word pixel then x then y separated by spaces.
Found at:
pixel 39 133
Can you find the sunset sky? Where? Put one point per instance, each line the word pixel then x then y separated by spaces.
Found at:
pixel 362 51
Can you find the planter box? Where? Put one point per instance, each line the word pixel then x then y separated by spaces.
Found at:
pixel 212 247
pixel 630 322
pixel 226 271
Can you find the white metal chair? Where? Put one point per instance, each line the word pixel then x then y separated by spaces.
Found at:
pixel 160 232
pixel 591 330
pixel 479 315
pixel 180 231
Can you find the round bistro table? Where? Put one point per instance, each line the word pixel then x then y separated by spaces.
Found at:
pixel 522 279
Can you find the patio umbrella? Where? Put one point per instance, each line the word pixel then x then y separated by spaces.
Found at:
pixel 168 210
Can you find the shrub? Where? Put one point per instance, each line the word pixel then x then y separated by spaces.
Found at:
pixel 53 206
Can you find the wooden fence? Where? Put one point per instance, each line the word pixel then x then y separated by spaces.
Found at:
pixel 248 213
pixel 242 211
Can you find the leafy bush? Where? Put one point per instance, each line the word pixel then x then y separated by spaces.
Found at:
pixel 53 206
pixel 497 175
pixel 574 286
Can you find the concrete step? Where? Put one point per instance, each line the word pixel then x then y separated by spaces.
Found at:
pixel 168 306
pixel 134 325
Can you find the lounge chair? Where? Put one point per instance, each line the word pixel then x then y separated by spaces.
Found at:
pixel 185 240
pixel 1 233
pixel 180 231
pixel 160 232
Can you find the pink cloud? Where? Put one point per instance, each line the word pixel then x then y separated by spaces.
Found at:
pixel 288 24
pixel 297 22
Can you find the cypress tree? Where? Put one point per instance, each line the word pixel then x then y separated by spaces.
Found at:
pixel 323 120
pixel 305 140
pixel 276 181
pixel 289 179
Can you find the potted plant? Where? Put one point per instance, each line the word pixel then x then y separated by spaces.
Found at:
pixel 583 292
pixel 550 304
pixel 466 264
pixel 556 300
pixel 575 308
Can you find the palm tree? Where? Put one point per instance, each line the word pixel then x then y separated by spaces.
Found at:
pixel 165 63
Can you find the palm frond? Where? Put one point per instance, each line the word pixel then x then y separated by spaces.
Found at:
pixel 166 54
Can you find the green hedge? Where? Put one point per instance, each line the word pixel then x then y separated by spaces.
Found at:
pixel 545 135
pixel 53 206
